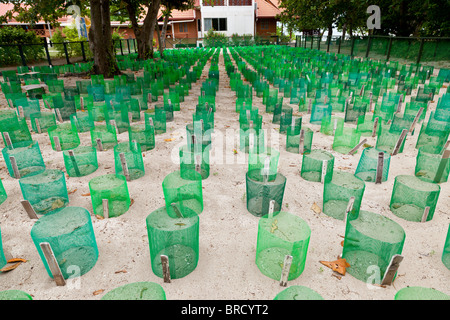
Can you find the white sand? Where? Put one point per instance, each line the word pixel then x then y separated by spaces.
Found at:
pixel 226 268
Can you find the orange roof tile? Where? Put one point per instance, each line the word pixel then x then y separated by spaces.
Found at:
pixel 267 8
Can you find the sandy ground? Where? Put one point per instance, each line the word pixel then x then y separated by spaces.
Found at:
pixel 228 232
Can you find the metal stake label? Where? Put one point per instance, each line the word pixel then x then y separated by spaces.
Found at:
pixel 285 272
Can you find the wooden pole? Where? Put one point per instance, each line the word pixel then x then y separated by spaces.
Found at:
pixel 165 268
pixel 285 272
pixel 52 263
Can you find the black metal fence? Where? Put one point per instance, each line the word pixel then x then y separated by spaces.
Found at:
pixel 427 50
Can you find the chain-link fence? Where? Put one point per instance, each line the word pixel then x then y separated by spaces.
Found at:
pixel 427 51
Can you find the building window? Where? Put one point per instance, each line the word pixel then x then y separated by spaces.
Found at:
pixel 199 25
pixel 264 24
pixel 183 27
pixel 212 3
pixel 240 2
pixel 217 24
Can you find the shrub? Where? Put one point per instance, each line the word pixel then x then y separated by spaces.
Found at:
pixel 14 35
pixel 215 39
pixel 73 49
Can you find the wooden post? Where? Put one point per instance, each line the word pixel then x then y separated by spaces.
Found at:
pixel 105 204
pixel 14 166
pixel 301 145
pixel 74 162
pixel 416 118
pixel 57 143
pixel 380 165
pixel 351 152
pixel 58 114
pixel 29 209
pixel 177 211
pixel 271 208
pixel 198 162
pixel 442 165
pixel 285 272
pixel 391 270
pixel 8 141
pixel 52 263
pixel 375 126
pixel 425 214
pixel 99 144
pixel 349 208
pixel 165 268
pixel 124 166
pixel 399 142
pixel 324 170
pixel 38 125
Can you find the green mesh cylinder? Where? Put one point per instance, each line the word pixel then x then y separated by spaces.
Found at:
pixel 251 139
pixel 3 194
pixel 345 140
pixel 432 134
pixel 97 112
pixel 66 134
pixel 142 134
pixel 268 159
pixel 82 162
pixel 332 125
pixel 191 160
pixel 431 166
pixel 386 140
pixel 42 121
pixel 196 134
pixel 365 125
pixel 298 293
pixel 82 121
pixel 17 130
pixel 320 111
pixel 97 92
pixel 157 119
pixel 294 137
pixel 183 197
pixel 136 291
pixel 3 260
pixel 45 190
pixel 367 165
pixel 134 162
pixel 446 252
pixel 416 293
pixel 317 164
pixel 371 240
pixel 176 238
pixel 168 109
pixel 278 236
pixel 338 191
pixel 113 188
pixel 260 193
pixel 413 199
pixel 70 233
pixel 27 155
pixel 15 295
pixel 107 135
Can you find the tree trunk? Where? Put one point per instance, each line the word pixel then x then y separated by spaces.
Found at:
pixel 164 31
pixel 160 45
pixel 100 40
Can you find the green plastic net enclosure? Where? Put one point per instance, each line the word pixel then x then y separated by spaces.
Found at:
pixel 266 160
pixel 317 166
pixel 261 193
pixel 176 238
pixel 128 160
pixel 109 195
pixel 420 293
pixel 70 233
pixel 368 165
pixel 15 295
pixel 183 197
pixel 296 292
pixel 103 137
pixel 299 140
pixel 331 125
pixel 387 140
pixel 413 199
pixel 338 191
pixel 281 235
pixel 81 161
pixel 345 140
pixel 137 291
pixel 3 194
pixel 446 252
pixel 192 160
pixel 63 136
pixel 432 165
pixel 42 121
pixel 45 190
pixel 25 157
pixel 3 260
pixel 371 240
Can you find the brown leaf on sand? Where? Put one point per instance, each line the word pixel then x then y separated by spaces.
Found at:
pixel 121 271
pixel 131 202
pixel 168 140
pixel 99 217
pixel 86 194
pixel 11 267
pixel 72 191
pixel 339 265
pixel 97 292
pixel 16 260
pixel 316 208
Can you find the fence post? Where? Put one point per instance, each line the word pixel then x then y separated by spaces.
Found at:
pixel 389 49
pixel 46 51
pixel 22 56
pixel 128 44
pixel 419 56
pixel 121 49
pixel 312 41
pixel 318 44
pixel 82 51
pixel 65 52
pixel 328 44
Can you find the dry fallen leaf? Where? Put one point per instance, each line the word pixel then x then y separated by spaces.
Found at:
pixel 9 268
pixel 99 217
pixel 97 292
pixel 16 260
pixel 121 271
pixel 86 194
pixel 339 265
pixel 170 139
pixel 72 191
pixel 131 202
pixel 316 208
